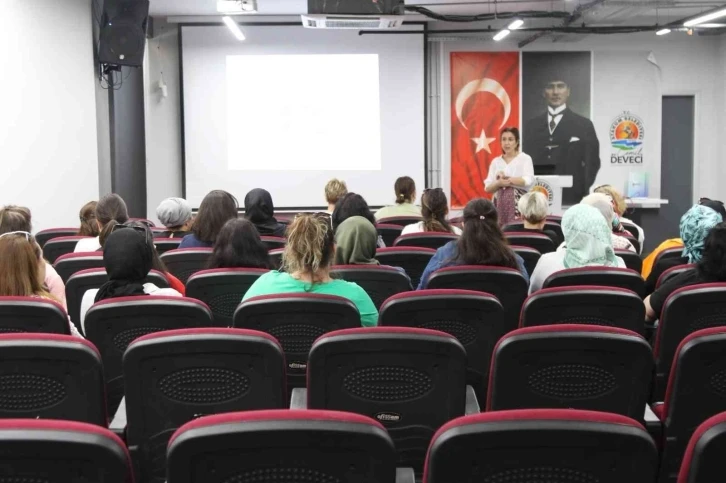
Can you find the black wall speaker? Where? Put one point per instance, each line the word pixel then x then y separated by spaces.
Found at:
pixel 123 32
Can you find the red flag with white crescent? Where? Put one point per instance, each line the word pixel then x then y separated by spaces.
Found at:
pixel 484 99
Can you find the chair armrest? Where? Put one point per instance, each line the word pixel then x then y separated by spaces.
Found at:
pixel 405 475
pixel 299 399
pixel 118 424
pixel 653 424
pixel 472 404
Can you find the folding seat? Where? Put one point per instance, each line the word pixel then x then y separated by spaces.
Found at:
pixel 553 225
pixel 44 235
pixel 380 282
pixel 506 284
pixel 572 366
pixel 222 290
pixel 112 324
pixel 542 445
pixel 412 259
pixel 389 233
pixel 476 319
pixel 530 256
pixel 400 220
pixel 686 310
pixel 174 377
pixel 45 450
pixel 539 241
pixel 184 262
pixel 274 242
pixel 703 460
pixel 32 314
pixel 425 240
pixel 603 276
pixel 632 260
pixel 585 304
pixel 70 263
pixel 696 391
pixel 276 257
pixel 164 245
pixel 411 380
pixel 80 282
pixel 55 247
pixel 296 320
pixel 282 446
pixel 672 272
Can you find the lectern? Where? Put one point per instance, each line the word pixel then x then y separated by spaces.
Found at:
pixel 551 187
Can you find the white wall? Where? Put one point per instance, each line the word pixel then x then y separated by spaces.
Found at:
pixel 48 144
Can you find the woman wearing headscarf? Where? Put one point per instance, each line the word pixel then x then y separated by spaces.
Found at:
pixel 128 259
pixel 604 205
pixel 259 210
pixel 695 225
pixel 176 215
pixel 588 242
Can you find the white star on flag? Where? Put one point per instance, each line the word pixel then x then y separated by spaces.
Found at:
pixel 483 142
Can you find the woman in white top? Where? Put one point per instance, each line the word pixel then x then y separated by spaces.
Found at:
pixel 434 208
pixel 110 207
pixel 510 176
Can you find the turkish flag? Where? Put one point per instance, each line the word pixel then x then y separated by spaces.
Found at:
pixel 484 99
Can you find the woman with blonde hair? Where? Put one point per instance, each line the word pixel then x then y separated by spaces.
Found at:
pixel 620 207
pixel 534 208
pixel 335 189
pixel 309 254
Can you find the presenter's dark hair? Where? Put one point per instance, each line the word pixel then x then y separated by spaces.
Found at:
pixel 239 245
pixel 712 265
pixel 405 189
pixel 351 204
pixel 514 131
pixel 483 242
pixel 216 209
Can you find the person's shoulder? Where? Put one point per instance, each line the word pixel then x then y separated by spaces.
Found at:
pixel 522 156
pixel 457 231
pixel 412 228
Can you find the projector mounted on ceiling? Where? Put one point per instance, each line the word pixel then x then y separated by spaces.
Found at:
pixel 352 21
pixel 354 14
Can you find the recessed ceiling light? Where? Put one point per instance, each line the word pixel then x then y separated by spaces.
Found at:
pixel 236 6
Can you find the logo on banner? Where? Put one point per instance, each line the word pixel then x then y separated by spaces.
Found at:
pixel 545 188
pixel 626 138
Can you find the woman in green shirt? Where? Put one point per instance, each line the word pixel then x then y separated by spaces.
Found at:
pixel 405 189
pixel 309 254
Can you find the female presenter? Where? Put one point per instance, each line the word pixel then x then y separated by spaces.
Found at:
pixel 510 176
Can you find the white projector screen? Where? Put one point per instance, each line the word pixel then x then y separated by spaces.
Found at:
pixel 290 108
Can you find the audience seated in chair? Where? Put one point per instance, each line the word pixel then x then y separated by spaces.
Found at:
pixel 405 189
pixel 214 211
pixel 710 267
pixel 534 209
pixel 309 254
pixel 156 263
pixel 18 219
pixel 239 245
pixel 604 205
pixel 588 242
pixel 482 243
pixel 619 207
pixel 128 256
pixel 259 209
pixel 176 216
pixel 109 208
pixel 87 215
pixel 335 189
pixel 434 208
pixel 353 204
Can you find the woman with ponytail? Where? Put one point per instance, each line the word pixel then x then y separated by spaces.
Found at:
pixel 109 208
pixel 482 243
pixel 434 208
pixel 405 189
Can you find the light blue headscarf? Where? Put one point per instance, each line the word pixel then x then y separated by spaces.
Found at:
pixel 695 225
pixel 588 238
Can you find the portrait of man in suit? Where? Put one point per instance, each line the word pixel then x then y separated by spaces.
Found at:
pixel 558 134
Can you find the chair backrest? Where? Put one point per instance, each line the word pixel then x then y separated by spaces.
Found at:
pixel 550 225
pixel 632 260
pixel 539 241
pixel 281 446
pixel 389 233
pixel 296 320
pixel 675 252
pixel 603 276
pixel 113 324
pixel 542 445
pixel 672 272
pixel 400 220
pixel 44 235
pixel 222 290
pixel 38 450
pixel 425 239
pixel 276 257
pixel 164 245
pixel 530 256
pixel 476 319
pixel 696 391
pixel 184 262
pixel 633 241
pixel 585 304
pixel 412 259
pixel 380 282
pixel 274 242
pixel 703 459
pixel 173 377
pixel 506 284
pixel 51 376
pixel 70 263
pixel 32 314
pixel 411 380
pixel 571 366
pixel 686 310
pixel 57 246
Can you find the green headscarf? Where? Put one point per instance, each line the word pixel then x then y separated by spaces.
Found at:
pixel 695 225
pixel 588 238
pixel 356 239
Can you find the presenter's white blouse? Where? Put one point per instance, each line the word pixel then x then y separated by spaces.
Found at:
pixel 520 167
